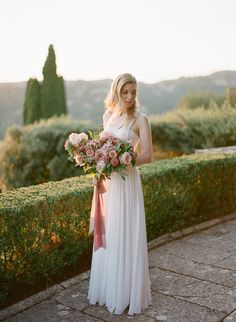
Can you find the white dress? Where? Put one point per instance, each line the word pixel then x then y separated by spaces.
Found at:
pixel 119 272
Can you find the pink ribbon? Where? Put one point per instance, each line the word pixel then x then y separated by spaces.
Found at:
pixel 97 222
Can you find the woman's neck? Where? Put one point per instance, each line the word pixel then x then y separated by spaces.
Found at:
pixel 123 113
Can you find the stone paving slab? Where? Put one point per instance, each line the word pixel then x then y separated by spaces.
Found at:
pixel 214 234
pixel 190 230
pixel 29 302
pixel 206 272
pixel 170 309
pixel 191 251
pixel 105 315
pixel 204 293
pixel 190 289
pixel 229 262
pixel 231 317
pixel 51 311
pixel 193 279
pixel 75 297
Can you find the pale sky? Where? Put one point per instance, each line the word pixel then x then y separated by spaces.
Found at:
pixel 95 39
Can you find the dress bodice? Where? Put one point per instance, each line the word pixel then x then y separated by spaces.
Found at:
pixel 120 126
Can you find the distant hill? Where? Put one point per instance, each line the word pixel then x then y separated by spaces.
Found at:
pixel 85 98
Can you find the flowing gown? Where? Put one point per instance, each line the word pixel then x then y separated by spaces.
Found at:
pixel 119 272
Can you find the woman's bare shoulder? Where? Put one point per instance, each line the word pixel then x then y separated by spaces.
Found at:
pixel 142 117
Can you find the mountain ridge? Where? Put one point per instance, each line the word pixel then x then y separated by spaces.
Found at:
pixel 85 98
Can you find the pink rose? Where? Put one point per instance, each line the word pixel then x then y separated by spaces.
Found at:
pixel 112 154
pixel 104 136
pixel 89 152
pixel 81 147
pixel 106 159
pixel 114 162
pixel 91 144
pixel 78 159
pixel 76 138
pixel 125 158
pixel 100 154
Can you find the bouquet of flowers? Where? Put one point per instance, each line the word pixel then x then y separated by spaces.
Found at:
pixel 100 155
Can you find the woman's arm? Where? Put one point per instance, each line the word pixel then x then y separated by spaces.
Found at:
pixel 146 141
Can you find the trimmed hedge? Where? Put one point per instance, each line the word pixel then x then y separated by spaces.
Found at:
pixel 35 154
pixel 185 130
pixel 188 190
pixel 44 228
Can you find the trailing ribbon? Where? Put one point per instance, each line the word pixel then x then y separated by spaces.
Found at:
pixel 97 222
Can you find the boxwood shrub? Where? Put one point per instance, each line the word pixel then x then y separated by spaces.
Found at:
pixel 185 130
pixel 35 154
pixel 44 228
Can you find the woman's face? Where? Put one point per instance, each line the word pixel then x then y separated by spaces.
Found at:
pixel 128 95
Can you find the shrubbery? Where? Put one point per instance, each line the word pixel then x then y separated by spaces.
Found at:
pixel 186 130
pixel 45 228
pixel 35 153
pixel 201 99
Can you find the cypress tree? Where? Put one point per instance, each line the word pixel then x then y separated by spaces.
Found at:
pixel 53 100
pixel 231 95
pixel 32 111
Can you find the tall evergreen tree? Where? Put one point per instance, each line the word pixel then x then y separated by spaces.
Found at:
pixel 53 100
pixel 32 110
pixel 231 95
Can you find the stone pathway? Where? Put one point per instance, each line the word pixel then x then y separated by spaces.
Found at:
pixel 193 279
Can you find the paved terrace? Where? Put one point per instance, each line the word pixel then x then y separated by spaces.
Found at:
pixel 193 278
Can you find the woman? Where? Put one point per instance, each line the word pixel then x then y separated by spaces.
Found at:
pixel 119 272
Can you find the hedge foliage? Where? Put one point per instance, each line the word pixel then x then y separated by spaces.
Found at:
pixel 185 130
pixel 45 228
pixel 201 99
pixel 35 153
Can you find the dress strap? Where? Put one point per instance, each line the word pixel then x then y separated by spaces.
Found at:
pixel 131 123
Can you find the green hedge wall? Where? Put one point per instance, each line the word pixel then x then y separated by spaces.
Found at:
pixel 186 130
pixel 44 228
pixel 35 153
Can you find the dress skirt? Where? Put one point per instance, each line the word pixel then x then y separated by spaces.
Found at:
pixel 119 272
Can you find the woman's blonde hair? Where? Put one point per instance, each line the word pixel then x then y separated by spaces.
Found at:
pixel 114 95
